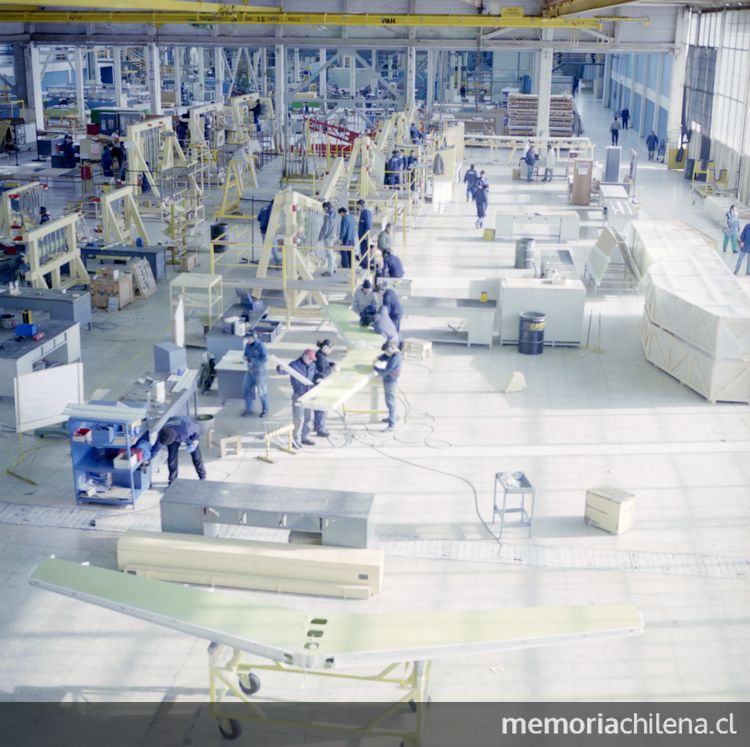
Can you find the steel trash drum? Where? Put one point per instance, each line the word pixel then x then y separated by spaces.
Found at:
pixel 525 253
pixel 531 332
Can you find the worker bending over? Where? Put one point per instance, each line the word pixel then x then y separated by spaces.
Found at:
pixel 180 430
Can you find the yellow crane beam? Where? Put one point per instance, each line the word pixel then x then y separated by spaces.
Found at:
pixel 559 8
pixel 187 6
pixel 236 15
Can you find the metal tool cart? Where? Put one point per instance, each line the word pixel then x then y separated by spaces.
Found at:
pixel 516 487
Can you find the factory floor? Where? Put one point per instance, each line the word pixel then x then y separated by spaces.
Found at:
pixel 599 413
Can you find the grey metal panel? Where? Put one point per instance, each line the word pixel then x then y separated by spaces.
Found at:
pixel 72 306
pixel 218 343
pixel 342 517
pixel 155 255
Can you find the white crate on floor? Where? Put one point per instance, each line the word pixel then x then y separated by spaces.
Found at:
pixel 416 349
pixel 610 509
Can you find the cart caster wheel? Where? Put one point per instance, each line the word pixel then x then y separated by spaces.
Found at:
pixel 252 686
pixel 230 728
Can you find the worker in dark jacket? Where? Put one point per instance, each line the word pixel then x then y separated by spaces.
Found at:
pixel 107 161
pixel 304 366
pixel 347 237
pixel 180 430
pixel 264 218
pixel 323 368
pixel 388 367
pixel 383 325
pixel 69 151
pixel 255 376
pixel 390 300
pixel 392 266
pixel 652 141
pixel 363 231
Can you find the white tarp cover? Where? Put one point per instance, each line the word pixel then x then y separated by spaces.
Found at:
pixel 716 380
pixel 697 299
pixel 652 241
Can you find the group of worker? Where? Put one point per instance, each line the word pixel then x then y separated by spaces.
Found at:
pixel 400 168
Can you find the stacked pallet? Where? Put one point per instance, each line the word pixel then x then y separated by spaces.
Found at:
pixel 269 566
pixel 522 115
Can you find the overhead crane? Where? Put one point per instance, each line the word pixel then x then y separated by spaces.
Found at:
pixel 162 12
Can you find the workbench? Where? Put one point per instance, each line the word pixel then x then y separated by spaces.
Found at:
pixel 563 225
pixel 562 303
pixel 71 306
pixel 61 344
pixel 340 518
pixel 180 390
pixel 218 343
pixel 230 375
pixel 156 256
pixel 479 316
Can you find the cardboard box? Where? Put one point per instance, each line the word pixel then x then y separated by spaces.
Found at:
pixel 610 509
pixel 121 461
pixel 516 174
pixel 489 234
pixel 188 261
pixel 108 273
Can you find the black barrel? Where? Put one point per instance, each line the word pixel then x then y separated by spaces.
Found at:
pixel 219 232
pixel 531 332
pixel 525 250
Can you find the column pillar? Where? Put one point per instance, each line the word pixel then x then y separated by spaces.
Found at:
pixel 32 74
pixel 201 74
pixel 263 72
pixel 177 59
pixel 544 86
pixel 92 68
pixel 607 81
pixel 430 96
pixel 677 82
pixel 154 77
pixel 411 75
pixel 219 73
pixel 117 74
pixel 323 77
pixel 657 93
pixel 352 74
pixel 279 102
pixel 78 67
pixel 295 68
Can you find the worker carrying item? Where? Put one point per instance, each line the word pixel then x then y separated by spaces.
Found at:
pixel 255 377
pixel 305 366
pixel 180 430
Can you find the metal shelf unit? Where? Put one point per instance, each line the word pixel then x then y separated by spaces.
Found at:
pixel 93 452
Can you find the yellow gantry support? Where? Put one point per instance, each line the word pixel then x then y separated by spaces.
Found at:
pixel 236 15
pixel 558 8
pixel 178 5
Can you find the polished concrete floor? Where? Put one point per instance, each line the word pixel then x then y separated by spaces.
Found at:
pixel 595 414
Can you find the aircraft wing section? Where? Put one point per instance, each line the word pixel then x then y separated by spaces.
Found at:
pixel 353 373
pixel 334 641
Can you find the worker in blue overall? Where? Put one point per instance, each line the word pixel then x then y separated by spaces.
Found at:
pixel 390 300
pixel 255 377
pixel 180 430
pixel 347 237
pixel 301 416
pixel 323 368
pixel 107 161
pixel 388 367
pixel 363 231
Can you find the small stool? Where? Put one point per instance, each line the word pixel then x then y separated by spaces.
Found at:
pixel 516 486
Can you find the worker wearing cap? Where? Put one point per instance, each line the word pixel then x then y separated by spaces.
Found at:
pixel 364 296
pixel 43 215
pixel 305 366
pixel 255 376
pixel 388 367
pixel 176 431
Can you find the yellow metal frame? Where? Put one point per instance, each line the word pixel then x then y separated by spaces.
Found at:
pixel 234 15
pixel 229 673
pixel 7 214
pixel 120 226
pixel 39 268
pixel 240 175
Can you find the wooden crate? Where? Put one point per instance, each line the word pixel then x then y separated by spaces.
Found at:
pixel 417 349
pixel 610 509
pixel 104 289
